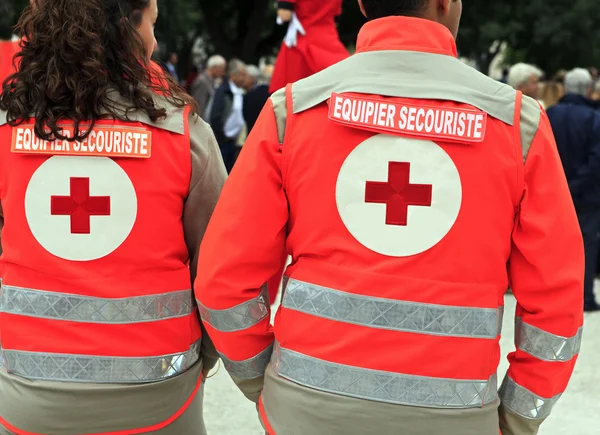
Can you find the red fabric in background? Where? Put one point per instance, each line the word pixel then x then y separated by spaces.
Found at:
pixel 319 49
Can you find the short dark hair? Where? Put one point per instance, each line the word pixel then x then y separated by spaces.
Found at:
pixel 385 8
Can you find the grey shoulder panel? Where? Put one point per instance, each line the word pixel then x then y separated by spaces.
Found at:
pixel 531 114
pixel 201 146
pixel 408 74
pixel 280 108
pixel 174 122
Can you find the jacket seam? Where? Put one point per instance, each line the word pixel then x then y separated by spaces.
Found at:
pixel 286 135
pixel 520 168
pixel 204 169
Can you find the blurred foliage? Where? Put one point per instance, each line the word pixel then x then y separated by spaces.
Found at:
pixel 552 34
pixel 559 34
pixel 9 15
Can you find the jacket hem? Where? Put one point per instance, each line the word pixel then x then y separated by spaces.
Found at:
pixel 143 430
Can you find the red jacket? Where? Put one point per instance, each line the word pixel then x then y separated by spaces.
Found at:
pixel 95 283
pixel 317 50
pixel 402 183
pixel 315 12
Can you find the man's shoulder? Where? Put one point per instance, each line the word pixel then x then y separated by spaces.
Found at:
pixel 573 109
pixel 259 91
pixel 224 87
pixel 204 79
pixel 201 82
pixel 408 74
pixel 222 90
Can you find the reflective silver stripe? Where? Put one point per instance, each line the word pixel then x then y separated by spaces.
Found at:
pixel 95 369
pixel 500 321
pixel 63 306
pixel 251 368
pixel 382 386
pixel 546 346
pixel 240 317
pixel 525 403
pixel 391 314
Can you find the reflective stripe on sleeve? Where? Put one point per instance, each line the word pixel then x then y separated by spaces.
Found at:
pixel 250 368
pixel 241 316
pixel 525 403
pixel 544 345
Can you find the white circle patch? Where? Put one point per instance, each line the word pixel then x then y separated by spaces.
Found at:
pixel 80 208
pixel 398 196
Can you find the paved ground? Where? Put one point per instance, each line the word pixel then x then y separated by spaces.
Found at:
pixel 227 412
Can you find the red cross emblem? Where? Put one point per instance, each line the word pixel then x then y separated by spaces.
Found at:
pixel 398 194
pixel 80 206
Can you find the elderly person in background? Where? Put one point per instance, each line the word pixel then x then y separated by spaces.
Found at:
pixel 576 125
pixel 226 114
pixel 256 98
pixel 203 88
pixel 525 78
pixel 253 77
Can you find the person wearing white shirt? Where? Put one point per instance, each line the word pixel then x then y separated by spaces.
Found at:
pixel 226 115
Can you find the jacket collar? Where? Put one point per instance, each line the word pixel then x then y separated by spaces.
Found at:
pixel 407 34
pixel 579 100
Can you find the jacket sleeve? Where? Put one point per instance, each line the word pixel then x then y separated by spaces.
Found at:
pixel 589 173
pixel 546 271
pixel 201 93
pixel 1 226
pixel 243 250
pixel 339 8
pixel 217 115
pixel 207 179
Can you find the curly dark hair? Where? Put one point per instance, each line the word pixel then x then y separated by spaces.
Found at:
pixel 75 55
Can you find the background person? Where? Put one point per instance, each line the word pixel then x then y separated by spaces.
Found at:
pixel 576 125
pixel 525 78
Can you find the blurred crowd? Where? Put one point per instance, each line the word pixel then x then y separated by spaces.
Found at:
pixel 572 101
pixel 230 96
pixel 548 91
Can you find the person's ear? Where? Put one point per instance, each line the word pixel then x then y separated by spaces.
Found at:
pixel 362 8
pixel 443 6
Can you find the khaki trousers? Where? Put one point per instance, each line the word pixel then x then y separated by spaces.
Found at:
pixel 191 421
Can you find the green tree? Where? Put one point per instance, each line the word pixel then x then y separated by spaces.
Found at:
pixel 557 34
pixel 241 28
pixel 553 34
pixel 9 14
pixel 483 24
